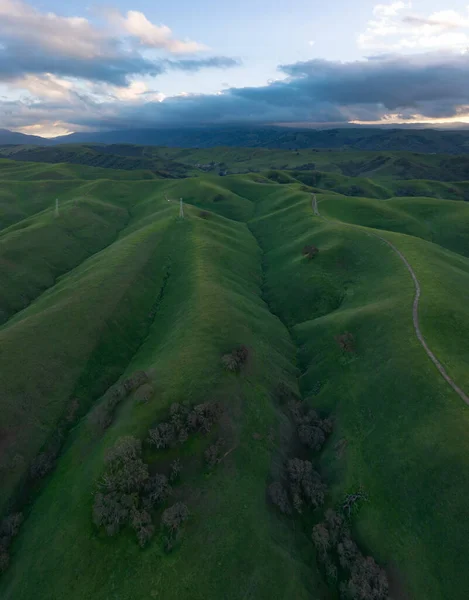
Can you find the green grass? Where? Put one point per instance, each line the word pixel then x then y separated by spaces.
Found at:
pixel 119 283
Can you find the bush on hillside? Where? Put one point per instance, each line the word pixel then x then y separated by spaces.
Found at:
pixel 312 430
pixel 184 421
pixel 305 484
pixel 346 341
pixel 235 359
pixel 213 453
pixel 143 526
pixel 176 469
pixel 9 528
pixel 204 214
pixel 4 560
pixel 310 251
pixel 156 490
pixel 174 517
pixel 144 393
pixel 127 493
pixel 102 416
pixel 279 497
pixel 364 579
pixel 162 436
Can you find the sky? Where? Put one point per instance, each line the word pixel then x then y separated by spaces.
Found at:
pixel 72 66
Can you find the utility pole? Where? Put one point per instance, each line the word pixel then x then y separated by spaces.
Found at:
pixel 181 209
pixel 56 207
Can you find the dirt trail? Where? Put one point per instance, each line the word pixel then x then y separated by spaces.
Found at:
pixel 415 309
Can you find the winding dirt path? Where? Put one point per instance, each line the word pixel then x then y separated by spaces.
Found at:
pixel 415 309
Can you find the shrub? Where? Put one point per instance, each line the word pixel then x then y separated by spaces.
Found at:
pixel 213 453
pixel 367 581
pixel 278 495
pixel 176 469
pixel 312 430
pixel 143 526
pixel 311 436
pixel 162 436
pixel 310 251
pixel 41 465
pixel 126 448
pixel 134 381
pixel 10 525
pixel 203 214
pixel 346 341
pixel 229 362
pixel 144 393
pixel 157 489
pixel 174 517
pixel 4 560
pixel 121 488
pixel 113 510
pixel 305 484
pixel 235 359
pixel 321 539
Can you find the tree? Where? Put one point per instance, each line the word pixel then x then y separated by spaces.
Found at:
pixel 162 436
pixel 346 341
pixel 310 251
pixel 278 495
pixel 143 526
pixel 367 581
pixel 113 510
pixel 174 517
pixel 321 538
pixel 305 484
pixel 176 469
pixel 4 560
pixel 157 489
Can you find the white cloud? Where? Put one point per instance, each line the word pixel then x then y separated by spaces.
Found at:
pixel 396 27
pixel 78 37
pixel 311 43
pixel 154 36
pixel 45 86
pixel 71 36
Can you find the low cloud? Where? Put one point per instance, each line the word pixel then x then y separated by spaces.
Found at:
pixel 431 86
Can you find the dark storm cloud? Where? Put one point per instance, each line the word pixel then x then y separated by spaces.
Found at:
pixel 19 60
pixel 433 85
pixel 395 82
pixel 319 91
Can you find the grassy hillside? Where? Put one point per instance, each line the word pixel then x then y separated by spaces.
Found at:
pixel 118 283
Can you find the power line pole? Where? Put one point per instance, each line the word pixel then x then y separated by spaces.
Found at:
pixel 181 209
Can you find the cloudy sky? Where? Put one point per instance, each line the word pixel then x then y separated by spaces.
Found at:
pixel 73 66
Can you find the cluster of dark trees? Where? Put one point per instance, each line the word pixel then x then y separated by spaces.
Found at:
pixel 127 492
pixel 302 487
pixel 312 430
pixel 361 578
pixel 103 415
pixel 357 576
pixel 235 359
pixel 184 420
pixel 9 528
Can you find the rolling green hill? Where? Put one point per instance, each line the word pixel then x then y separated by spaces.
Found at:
pixel 117 284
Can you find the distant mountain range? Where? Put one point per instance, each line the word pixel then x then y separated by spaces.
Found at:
pixel 356 138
